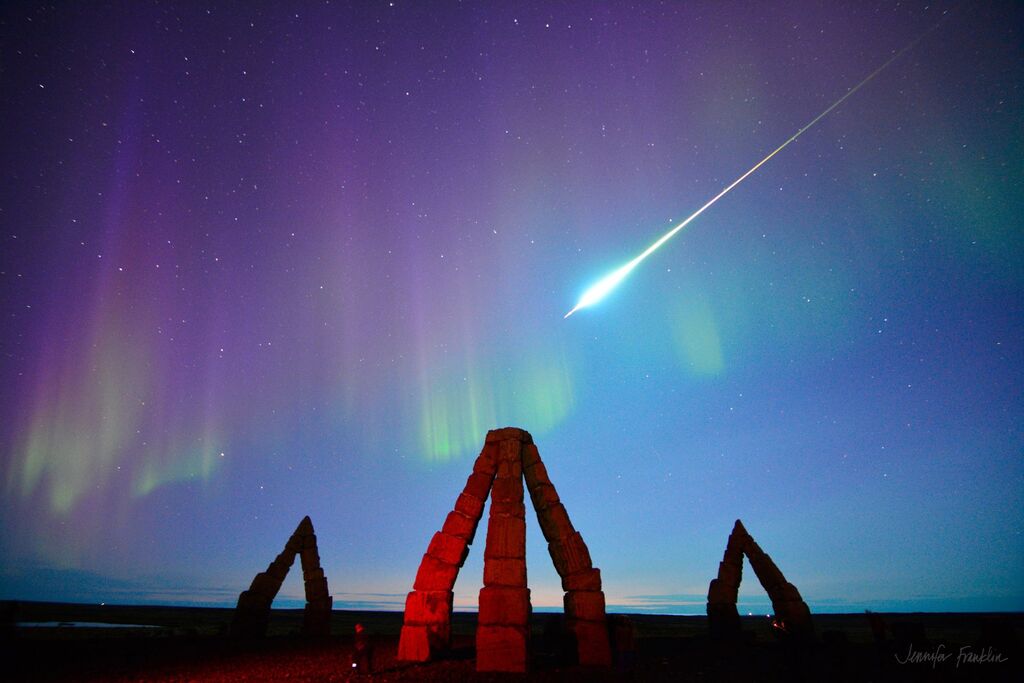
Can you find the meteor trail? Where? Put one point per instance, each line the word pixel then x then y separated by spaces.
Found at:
pixel 602 287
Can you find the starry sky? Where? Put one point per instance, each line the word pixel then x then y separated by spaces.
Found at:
pixel 264 260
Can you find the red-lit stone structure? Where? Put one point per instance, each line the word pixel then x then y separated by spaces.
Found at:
pixel 508 458
pixel 253 611
pixel 791 612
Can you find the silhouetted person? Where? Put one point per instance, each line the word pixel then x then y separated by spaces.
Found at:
pixel 362 660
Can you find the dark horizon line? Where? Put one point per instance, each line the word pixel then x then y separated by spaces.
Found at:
pixel 546 610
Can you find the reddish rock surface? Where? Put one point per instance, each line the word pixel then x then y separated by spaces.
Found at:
pixel 427 632
pixel 501 648
pixel 508 458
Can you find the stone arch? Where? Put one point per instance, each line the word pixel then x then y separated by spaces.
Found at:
pixel 509 457
pixel 789 607
pixel 253 611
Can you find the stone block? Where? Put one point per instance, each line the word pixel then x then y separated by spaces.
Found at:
pixel 773 584
pixel 471 506
pixel 310 558
pixel 764 568
pixel 506 537
pixel 316 588
pixel 733 555
pixel 265 584
pixel 449 549
pixel 508 434
pixel 278 571
pixel 309 541
pixel 585 605
pixel 787 592
pixel 592 642
pixel 536 474
pixel 414 644
pixel 435 575
pixel 554 522
pixel 460 526
pixel 505 572
pixel 428 607
pixel 730 573
pixel 543 496
pixel 505 489
pixel 509 450
pixel 761 562
pixel 508 508
pixel 486 463
pixel 293 545
pixel 313 574
pixel 440 634
pixel 502 648
pixel 530 455
pixel 570 554
pixel 720 591
pixel 424 640
pixel 584 580
pixel 504 606
pixel 510 469
pixel 478 485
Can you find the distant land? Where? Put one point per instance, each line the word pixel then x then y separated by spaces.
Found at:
pixel 45 641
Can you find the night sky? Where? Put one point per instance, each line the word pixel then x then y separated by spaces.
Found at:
pixel 260 261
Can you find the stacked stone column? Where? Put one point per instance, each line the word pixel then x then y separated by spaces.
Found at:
pixel 503 632
pixel 316 617
pixel 723 618
pixel 581 581
pixel 426 629
pixel 253 611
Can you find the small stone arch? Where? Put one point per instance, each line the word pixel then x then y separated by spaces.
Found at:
pixel 791 611
pixel 253 611
pixel 508 458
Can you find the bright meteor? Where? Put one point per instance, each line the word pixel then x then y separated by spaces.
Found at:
pixel 602 287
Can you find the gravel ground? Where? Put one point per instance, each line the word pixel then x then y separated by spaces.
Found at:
pixel 193 645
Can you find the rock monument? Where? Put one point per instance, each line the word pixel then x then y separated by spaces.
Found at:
pixel 253 611
pixel 791 612
pixel 509 456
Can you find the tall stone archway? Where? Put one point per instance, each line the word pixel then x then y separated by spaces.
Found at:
pixel 508 458
pixel 253 611
pixel 723 618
